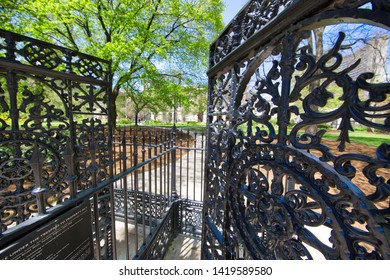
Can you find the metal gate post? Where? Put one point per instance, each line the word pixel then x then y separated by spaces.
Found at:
pixel 173 167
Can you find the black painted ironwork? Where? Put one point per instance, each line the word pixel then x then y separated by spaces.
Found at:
pixel 160 170
pixel 55 135
pixel 160 241
pixel 274 188
pixel 58 150
pixel 190 218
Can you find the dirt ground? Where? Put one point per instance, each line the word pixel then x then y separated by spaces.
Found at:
pixel 149 142
pixel 145 135
pixel 360 180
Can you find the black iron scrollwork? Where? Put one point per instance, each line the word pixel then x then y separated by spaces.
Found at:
pixel 41 56
pixel 253 18
pixel 49 150
pixel 352 108
pixel 288 194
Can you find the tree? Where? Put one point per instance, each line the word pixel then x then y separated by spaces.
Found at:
pixel 363 41
pixel 317 48
pixel 198 105
pixel 135 102
pixel 144 39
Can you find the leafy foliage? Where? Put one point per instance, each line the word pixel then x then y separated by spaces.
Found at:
pixel 146 40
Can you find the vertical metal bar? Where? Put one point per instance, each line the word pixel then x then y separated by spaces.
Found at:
pixel 125 197
pixel 150 183
pixel 181 163
pixel 166 194
pixel 119 153
pixel 130 152
pixel 11 47
pixel 143 188
pixel 93 169
pixel 167 171
pixel 230 121
pixel 110 152
pixel 188 164
pixel 287 68
pixel 158 196
pixel 12 85
pixel 177 207
pixel 202 169
pixel 160 161
pixel 96 222
pixel 195 140
pixel 113 148
pixel 69 156
pixel 205 210
pixel 36 163
pixel 72 125
pixel 173 172
pixel 135 154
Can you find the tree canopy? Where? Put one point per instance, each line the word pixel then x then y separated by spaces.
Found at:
pixel 148 41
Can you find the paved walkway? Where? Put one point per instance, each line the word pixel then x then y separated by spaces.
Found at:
pixel 189 185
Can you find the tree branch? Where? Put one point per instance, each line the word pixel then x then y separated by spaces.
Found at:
pixel 70 36
pixel 101 20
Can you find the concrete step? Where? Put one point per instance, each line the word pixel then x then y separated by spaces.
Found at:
pixel 184 248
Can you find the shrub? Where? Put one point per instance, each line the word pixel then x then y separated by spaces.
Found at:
pixel 325 126
pixel 124 121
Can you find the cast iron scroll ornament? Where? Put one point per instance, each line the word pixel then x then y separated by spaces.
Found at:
pixel 47 96
pixel 288 195
pixel 253 18
pixel 275 222
pixel 44 126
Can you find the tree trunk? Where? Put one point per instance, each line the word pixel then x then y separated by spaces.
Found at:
pixel 200 117
pixel 115 93
pixel 319 49
pixel 136 118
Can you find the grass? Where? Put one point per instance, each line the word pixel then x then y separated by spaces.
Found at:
pixel 362 137
pixel 191 125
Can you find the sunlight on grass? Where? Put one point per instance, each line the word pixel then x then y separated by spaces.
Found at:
pixel 190 125
pixel 361 137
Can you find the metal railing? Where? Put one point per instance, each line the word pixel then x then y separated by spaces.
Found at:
pixel 54 140
pixel 57 155
pixel 166 172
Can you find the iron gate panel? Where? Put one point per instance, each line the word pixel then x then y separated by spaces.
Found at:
pixel 54 132
pixel 274 189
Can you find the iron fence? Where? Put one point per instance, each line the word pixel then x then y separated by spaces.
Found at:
pixel 166 173
pixel 54 138
pixel 58 152
pixel 275 187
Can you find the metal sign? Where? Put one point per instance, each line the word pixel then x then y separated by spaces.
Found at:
pixel 68 237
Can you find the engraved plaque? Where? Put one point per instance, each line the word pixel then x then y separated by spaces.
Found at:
pixel 67 237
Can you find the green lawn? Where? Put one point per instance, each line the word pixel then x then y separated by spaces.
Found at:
pixel 201 127
pixel 362 137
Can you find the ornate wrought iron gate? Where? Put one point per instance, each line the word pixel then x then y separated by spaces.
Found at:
pixel 60 159
pixel 274 188
pixel 55 137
